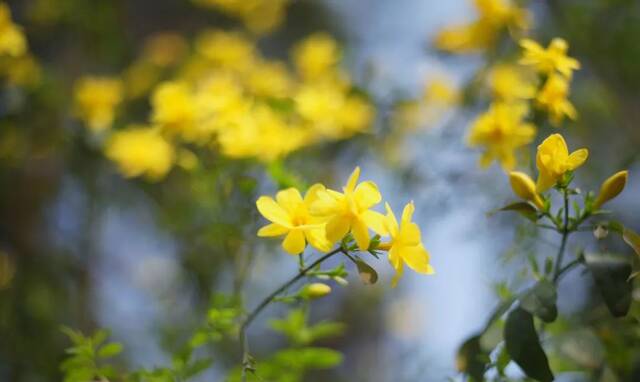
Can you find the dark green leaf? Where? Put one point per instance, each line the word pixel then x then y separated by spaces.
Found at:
pixel 472 359
pixel 368 275
pixel 540 301
pixel 523 208
pixel 611 275
pixel 524 347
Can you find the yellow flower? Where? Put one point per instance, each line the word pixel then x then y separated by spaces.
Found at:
pixel 525 187
pixel 440 90
pixel 269 79
pixel 165 49
pixel 553 98
pixel 289 215
pixel 12 40
pixel 230 50
pixel 493 17
pixel 350 210
pixel 140 151
pixel 259 16
pixel 611 188
pixel 511 83
pixel 500 131
pixel 96 99
pixel 553 161
pixel 406 245
pixel 174 109
pixel 549 60
pixel 316 55
pixel 315 290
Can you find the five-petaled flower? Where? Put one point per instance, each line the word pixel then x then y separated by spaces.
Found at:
pixel 553 161
pixel 547 61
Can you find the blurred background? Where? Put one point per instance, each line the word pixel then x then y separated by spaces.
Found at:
pixel 82 246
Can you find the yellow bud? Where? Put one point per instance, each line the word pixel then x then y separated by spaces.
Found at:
pixel 316 290
pixel 611 188
pixel 525 187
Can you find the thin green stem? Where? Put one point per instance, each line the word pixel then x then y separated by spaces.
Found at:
pixel 565 236
pixel 244 343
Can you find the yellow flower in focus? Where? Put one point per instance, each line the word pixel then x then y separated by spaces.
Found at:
pixel 406 245
pixel 553 161
pixel 316 55
pixel 553 98
pixel 511 83
pixel 140 151
pixel 500 131
pixel 289 215
pixel 96 99
pixel 494 16
pixel 350 210
pixel 12 40
pixel 525 187
pixel 230 50
pixel 549 60
pixel 611 188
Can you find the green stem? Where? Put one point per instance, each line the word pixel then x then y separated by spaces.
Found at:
pixel 565 236
pixel 244 343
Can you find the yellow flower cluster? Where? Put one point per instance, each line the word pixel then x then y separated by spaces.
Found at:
pixel 259 16
pixel 96 100
pixel 558 68
pixel 226 96
pixel 494 17
pixel 554 161
pixel 325 216
pixel 16 63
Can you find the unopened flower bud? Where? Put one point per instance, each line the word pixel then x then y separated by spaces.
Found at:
pixel 611 188
pixel 316 290
pixel 525 187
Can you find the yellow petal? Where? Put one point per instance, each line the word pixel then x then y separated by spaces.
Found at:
pixel 272 230
pixel 577 158
pixel 294 242
pixel 272 211
pixel 338 227
pixel 396 263
pixel 391 223
pixel 353 179
pixel 611 188
pixel 289 199
pixel 375 221
pixel 545 181
pixel 360 234
pixel 367 194
pixel 312 194
pixel 409 233
pixel 417 258
pixel 318 239
pixel 408 211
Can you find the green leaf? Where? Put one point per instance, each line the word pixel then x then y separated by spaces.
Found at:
pixel 523 208
pixel 631 238
pixel 523 345
pixel 540 301
pixel 110 350
pixel 368 275
pixel 472 359
pixel 310 357
pixel 611 275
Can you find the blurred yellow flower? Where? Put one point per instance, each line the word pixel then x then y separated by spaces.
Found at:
pixel 174 109
pixel 259 16
pixel 12 40
pixel 525 187
pixel 512 83
pixel 316 55
pixel 349 210
pixel 164 49
pixel 500 131
pixel 494 16
pixel 230 50
pixel 269 79
pixel 140 151
pixel 289 215
pixel 96 99
pixel 553 98
pixel 553 161
pixel 406 245
pixel 21 71
pixel 611 188
pixel 553 58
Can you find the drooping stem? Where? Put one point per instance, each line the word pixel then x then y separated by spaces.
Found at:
pixel 244 343
pixel 565 235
